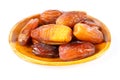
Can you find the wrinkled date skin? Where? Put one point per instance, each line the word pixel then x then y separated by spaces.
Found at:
pixel 71 18
pixel 89 22
pixel 76 50
pixel 86 33
pixel 50 16
pixel 53 34
pixel 45 50
pixel 26 30
pixel 92 22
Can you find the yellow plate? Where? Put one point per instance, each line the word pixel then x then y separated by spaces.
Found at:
pixel 25 52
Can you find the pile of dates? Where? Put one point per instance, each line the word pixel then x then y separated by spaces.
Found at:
pixel 68 35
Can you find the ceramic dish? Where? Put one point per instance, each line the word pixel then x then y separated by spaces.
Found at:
pixel 25 52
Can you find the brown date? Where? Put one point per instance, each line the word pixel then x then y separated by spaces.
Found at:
pixel 92 22
pixel 52 34
pixel 50 16
pixel 76 50
pixel 45 50
pixel 71 18
pixel 86 33
pixel 26 30
pixel 89 22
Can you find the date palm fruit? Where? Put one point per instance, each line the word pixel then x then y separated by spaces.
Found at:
pixel 44 50
pixel 76 50
pixel 26 30
pixel 86 33
pixel 52 34
pixel 71 18
pixel 50 16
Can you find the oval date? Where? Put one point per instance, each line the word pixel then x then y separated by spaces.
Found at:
pixel 44 50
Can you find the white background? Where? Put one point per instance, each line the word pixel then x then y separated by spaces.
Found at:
pixel 106 67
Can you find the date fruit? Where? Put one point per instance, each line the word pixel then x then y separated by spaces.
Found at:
pixel 86 33
pixel 26 30
pixel 45 50
pixel 93 22
pixel 50 16
pixel 71 18
pixel 76 50
pixel 89 22
pixel 52 34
